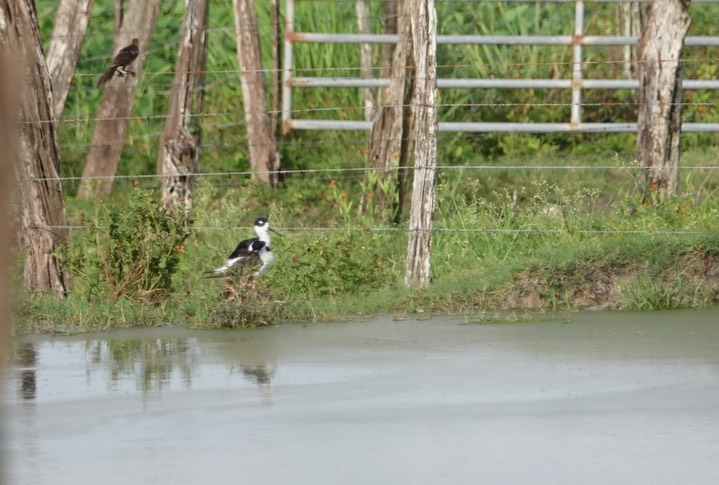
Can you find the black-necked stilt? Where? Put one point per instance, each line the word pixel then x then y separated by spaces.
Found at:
pixel 251 251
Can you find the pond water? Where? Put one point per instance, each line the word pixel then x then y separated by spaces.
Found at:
pixel 573 398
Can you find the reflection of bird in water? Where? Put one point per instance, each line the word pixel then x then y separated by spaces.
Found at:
pixel 251 251
pixel 262 374
pixel 123 59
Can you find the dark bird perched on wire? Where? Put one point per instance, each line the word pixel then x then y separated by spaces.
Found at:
pixel 251 251
pixel 123 59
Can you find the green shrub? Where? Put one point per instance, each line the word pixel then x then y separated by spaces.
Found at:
pixel 332 265
pixel 129 249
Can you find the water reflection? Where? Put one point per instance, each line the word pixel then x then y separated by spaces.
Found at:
pixel 26 361
pixel 395 402
pixel 262 375
pixel 157 364
pixel 153 363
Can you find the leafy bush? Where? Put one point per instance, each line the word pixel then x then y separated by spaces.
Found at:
pixel 128 249
pixel 331 265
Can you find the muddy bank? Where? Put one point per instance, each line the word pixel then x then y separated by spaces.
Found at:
pixel 690 280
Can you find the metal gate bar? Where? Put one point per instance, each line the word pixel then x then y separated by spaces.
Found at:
pixel 576 84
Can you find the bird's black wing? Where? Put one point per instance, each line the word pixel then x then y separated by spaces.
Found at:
pixel 247 247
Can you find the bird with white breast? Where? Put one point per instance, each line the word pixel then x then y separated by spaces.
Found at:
pixel 251 252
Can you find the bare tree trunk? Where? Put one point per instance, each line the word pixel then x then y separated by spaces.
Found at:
pixel 363 27
pixel 390 143
pixel 389 17
pixel 660 75
pixel 423 20
pixel 178 157
pixel 261 134
pixel 67 35
pixel 42 207
pixel 116 103
pixel 8 93
pixel 629 25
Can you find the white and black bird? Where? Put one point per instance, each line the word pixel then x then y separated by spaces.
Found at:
pixel 251 252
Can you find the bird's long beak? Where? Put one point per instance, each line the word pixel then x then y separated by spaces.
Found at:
pixel 279 234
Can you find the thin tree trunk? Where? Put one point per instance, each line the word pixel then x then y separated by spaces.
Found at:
pixel 116 103
pixel 69 31
pixel 42 207
pixel 660 75
pixel 629 25
pixel 390 143
pixel 261 134
pixel 178 157
pixel 389 16
pixel 366 70
pixel 423 20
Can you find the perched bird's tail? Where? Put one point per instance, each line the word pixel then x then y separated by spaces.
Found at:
pixel 106 76
pixel 219 272
pixel 214 274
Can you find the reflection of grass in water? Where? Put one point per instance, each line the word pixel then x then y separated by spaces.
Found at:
pixel 152 361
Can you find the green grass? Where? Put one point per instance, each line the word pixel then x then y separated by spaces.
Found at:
pixel 550 247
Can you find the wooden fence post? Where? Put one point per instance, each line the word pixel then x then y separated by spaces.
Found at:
pixel 423 20
pixel 116 104
pixel 67 35
pixel 261 134
pixel 390 140
pixel 660 95
pixel 42 206
pixel 179 154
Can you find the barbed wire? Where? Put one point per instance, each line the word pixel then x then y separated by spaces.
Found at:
pixel 408 230
pixel 505 65
pixel 248 173
pixel 340 109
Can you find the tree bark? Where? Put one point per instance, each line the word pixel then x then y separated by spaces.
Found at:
pixel 69 31
pixel 660 94
pixel 116 103
pixel 178 157
pixel 390 142
pixel 119 14
pixel 423 20
pixel 8 94
pixel 261 134
pixel 366 71
pixel 629 25
pixel 389 17
pixel 42 207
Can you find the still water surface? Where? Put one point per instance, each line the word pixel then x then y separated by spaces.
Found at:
pixel 590 398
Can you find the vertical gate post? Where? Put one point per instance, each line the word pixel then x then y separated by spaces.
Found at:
pixel 576 113
pixel 423 24
pixel 288 59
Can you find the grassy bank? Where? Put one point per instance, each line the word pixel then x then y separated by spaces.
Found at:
pixel 520 240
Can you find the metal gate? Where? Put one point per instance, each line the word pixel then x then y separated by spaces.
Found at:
pixel 576 84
